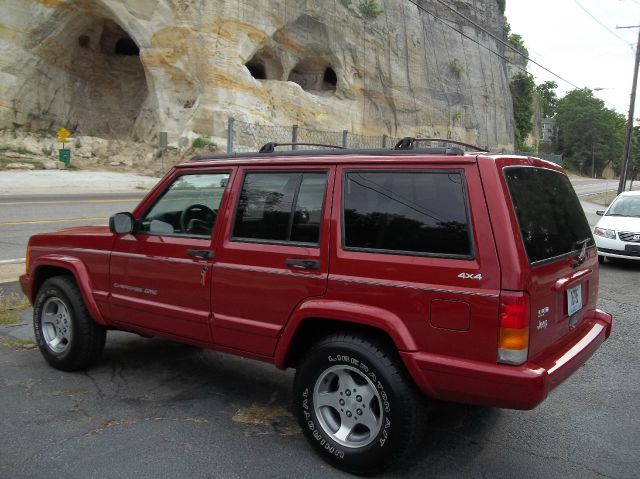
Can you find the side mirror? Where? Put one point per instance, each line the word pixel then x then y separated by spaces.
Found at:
pixel 600 212
pixel 122 223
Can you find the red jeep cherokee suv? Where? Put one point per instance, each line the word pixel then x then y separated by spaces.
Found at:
pixel 382 276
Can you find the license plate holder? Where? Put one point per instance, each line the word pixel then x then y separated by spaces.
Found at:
pixel 574 299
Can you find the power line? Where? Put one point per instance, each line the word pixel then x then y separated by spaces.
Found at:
pixel 492 35
pixel 603 25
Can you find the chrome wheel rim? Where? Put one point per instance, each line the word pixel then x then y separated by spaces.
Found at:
pixel 348 406
pixel 56 325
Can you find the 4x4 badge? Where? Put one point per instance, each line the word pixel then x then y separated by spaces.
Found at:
pixel 470 276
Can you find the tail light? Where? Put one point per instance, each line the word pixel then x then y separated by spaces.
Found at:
pixel 513 336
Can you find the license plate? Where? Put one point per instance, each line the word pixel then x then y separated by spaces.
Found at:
pixel 632 249
pixel 574 299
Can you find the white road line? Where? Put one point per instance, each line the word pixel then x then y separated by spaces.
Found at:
pixel 13 261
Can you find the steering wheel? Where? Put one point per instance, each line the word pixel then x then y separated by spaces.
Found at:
pixel 197 219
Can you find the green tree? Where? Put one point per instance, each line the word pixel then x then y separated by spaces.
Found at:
pixel 518 42
pixel 548 98
pixel 588 132
pixel 522 93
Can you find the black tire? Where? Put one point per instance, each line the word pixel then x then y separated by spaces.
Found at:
pixel 600 259
pixel 67 336
pixel 395 421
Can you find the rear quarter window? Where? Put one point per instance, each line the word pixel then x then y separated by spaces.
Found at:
pixel 407 212
pixel 550 217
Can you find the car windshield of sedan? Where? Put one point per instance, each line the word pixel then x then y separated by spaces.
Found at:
pixel 625 206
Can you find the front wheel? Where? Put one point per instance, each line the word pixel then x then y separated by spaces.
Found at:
pixel 356 404
pixel 67 336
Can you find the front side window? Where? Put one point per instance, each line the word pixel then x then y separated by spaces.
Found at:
pixel 189 207
pixel 281 207
pixel 407 212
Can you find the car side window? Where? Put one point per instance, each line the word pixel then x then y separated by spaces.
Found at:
pixel 407 212
pixel 189 206
pixel 280 207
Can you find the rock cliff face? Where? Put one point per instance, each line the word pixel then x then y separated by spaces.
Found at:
pixel 132 68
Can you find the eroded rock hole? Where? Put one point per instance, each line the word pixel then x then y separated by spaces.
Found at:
pixel 314 75
pixel 84 41
pixel 330 78
pixel 257 70
pixel 126 46
pixel 265 65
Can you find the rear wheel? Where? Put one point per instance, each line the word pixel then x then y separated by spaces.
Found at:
pixel 600 259
pixel 67 336
pixel 356 404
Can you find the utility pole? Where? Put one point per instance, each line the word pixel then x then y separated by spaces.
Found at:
pixel 627 139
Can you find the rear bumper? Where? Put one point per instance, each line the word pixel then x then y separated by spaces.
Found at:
pixel 497 385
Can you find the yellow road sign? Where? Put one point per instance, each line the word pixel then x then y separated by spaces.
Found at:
pixel 63 134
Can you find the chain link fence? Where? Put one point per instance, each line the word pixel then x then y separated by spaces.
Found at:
pixel 244 137
pixel 247 137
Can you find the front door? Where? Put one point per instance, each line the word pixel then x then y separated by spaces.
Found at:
pixel 161 274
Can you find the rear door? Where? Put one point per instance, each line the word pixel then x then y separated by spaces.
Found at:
pixel 561 271
pixel 273 255
pixel 414 243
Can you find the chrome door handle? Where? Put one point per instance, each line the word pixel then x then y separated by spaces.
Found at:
pixel 303 263
pixel 200 253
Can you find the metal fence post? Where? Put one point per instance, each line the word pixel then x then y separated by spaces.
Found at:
pixel 385 139
pixel 294 137
pixel 345 138
pixel 230 121
pixel 163 146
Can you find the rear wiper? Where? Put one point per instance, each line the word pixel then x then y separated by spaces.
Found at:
pixel 583 252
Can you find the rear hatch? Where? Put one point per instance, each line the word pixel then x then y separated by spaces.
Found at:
pixel 561 280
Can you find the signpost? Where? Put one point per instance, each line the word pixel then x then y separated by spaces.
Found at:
pixel 64 154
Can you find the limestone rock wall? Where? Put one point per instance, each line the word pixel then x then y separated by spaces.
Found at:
pixel 132 68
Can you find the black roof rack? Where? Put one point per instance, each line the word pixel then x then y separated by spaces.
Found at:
pixel 270 147
pixel 408 143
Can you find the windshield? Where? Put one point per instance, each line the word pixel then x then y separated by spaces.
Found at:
pixel 551 219
pixel 625 206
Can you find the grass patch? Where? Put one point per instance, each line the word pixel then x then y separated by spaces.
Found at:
pixel 17 343
pixel 11 305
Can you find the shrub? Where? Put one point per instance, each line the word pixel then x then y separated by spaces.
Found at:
pixel 370 8
pixel 200 142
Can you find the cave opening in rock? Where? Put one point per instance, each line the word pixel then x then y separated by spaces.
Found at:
pixel 265 65
pixel 92 83
pixel 126 46
pixel 257 70
pixel 330 78
pixel 314 75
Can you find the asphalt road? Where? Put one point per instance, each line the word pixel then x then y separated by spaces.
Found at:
pixel 23 216
pixel 152 408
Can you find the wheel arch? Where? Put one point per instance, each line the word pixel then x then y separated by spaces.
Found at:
pixel 49 267
pixel 316 319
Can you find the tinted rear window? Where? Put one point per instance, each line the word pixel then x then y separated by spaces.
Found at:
pixel 551 219
pixel 407 212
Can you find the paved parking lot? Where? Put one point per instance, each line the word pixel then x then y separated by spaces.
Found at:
pixel 152 408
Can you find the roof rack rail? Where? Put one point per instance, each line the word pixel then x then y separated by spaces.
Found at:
pixel 408 143
pixel 270 147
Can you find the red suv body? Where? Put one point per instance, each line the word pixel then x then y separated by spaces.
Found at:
pixel 470 277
